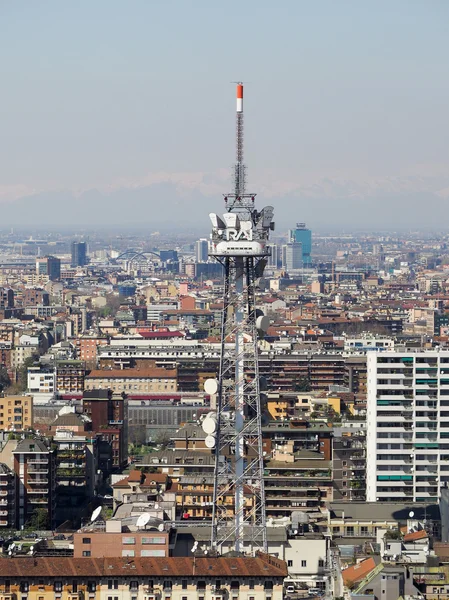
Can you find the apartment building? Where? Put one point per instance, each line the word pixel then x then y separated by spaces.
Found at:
pixel 191 578
pixel 35 477
pixel 349 462
pixel 76 462
pixel 407 426
pixel 137 381
pixel 16 412
pixel 7 498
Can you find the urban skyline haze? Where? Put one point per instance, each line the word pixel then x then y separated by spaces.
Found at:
pixel 113 110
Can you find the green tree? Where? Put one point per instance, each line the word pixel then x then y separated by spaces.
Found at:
pixel 4 379
pixel 303 385
pixel 39 520
pixel 23 371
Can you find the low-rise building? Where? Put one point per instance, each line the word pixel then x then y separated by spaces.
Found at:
pixel 188 578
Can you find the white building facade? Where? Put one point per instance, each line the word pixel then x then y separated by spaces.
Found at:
pixel 407 426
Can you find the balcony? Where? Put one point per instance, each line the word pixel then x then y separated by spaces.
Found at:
pixel 32 470
pixel 38 491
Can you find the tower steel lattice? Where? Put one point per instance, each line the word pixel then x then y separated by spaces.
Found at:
pixel 239 242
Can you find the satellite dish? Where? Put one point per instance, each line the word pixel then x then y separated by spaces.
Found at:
pixel 210 441
pixel 411 514
pixel 210 424
pixel 160 527
pixel 95 514
pixel 143 519
pixel 211 386
pixel 156 506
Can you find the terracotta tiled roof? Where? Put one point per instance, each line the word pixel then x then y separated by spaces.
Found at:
pixel 358 571
pixel 415 535
pixel 163 567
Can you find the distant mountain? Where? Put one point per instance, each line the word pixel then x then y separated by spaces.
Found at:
pixel 166 206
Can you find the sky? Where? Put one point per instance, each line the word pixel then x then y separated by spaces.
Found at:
pixel 123 112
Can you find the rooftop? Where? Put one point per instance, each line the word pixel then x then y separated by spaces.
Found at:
pixel 385 511
pixel 262 566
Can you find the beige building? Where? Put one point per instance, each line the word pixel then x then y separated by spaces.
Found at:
pixel 133 381
pixel 16 412
pixel 183 578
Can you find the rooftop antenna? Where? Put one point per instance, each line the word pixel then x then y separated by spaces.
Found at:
pixel 143 520
pixel 95 514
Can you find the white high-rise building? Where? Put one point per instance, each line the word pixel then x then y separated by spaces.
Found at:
pixel 201 251
pixel 273 259
pixel 293 256
pixel 407 426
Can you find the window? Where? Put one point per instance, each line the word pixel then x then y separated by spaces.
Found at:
pixel 303 563
pixel 321 562
pixel 129 540
pixel 184 584
pixel 289 563
pixel 112 584
pixel 86 553
pixel 58 586
pixel 74 587
pixel 86 540
pixel 350 530
pixel 184 598
pixel 91 587
pixel 134 586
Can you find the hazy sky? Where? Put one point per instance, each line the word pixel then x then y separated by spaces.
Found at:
pixel 346 102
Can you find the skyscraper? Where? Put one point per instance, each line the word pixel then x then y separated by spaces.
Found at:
pixel 49 265
pixel 79 254
pixel 302 235
pixel 293 256
pixel 201 251
pixel 273 259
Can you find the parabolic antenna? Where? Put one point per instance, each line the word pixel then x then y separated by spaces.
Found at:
pixel 210 441
pixel 211 386
pixel 411 514
pixel 143 519
pixel 161 527
pixel 209 425
pixel 95 514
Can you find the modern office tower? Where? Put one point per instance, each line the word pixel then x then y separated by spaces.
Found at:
pixel 302 235
pixel 407 426
pixel 49 265
pixel 293 256
pixel 201 251
pixel 273 259
pixel 79 254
